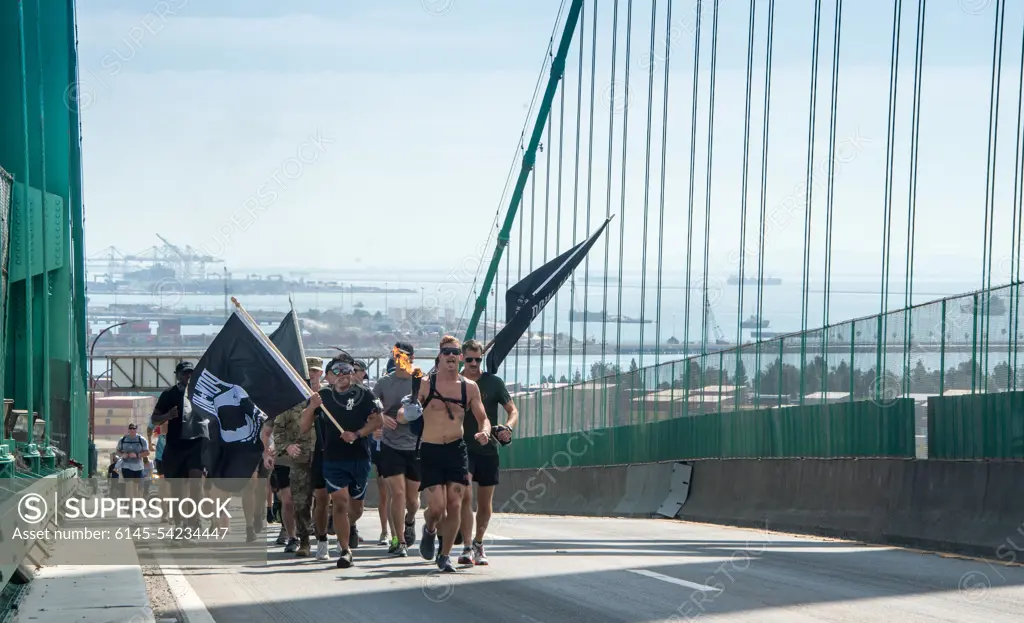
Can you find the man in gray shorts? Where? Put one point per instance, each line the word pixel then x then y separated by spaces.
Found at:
pixel 399 465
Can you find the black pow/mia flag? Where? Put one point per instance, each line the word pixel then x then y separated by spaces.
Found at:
pixel 240 383
pixel 525 300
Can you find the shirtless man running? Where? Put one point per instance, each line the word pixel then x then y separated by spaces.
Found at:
pixel 442 402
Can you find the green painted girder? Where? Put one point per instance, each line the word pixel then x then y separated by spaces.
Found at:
pixel 529 158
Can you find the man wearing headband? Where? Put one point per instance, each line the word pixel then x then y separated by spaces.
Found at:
pixel 346 456
pixel 399 464
pixel 443 402
pixel 483 459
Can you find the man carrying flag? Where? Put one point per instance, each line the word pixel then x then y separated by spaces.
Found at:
pixel 293 465
pixel 349 415
pixel 182 458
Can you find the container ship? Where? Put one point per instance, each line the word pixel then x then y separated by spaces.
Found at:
pixel 752 281
pixel 578 316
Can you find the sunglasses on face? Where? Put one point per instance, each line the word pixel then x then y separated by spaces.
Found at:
pixel 450 351
pixel 341 369
pixel 474 359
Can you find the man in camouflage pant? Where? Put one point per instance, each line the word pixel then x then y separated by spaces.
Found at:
pixel 295 450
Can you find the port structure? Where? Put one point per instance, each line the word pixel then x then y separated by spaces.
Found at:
pixel 164 261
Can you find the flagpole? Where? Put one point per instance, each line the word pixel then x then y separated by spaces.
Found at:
pixel 288 367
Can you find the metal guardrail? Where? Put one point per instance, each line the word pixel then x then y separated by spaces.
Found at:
pixel 17 553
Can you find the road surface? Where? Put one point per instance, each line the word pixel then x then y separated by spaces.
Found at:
pixel 603 570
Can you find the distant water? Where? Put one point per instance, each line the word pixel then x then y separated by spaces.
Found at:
pixel 781 307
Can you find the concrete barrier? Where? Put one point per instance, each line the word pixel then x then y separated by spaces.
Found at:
pixel 970 508
pixel 646 488
pixel 592 491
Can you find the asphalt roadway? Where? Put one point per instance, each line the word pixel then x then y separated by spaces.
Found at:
pixel 595 570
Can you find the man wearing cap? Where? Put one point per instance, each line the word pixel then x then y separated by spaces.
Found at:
pixel 182 460
pixel 346 455
pixel 132 448
pixel 293 464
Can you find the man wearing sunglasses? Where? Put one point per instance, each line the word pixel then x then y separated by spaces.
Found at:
pixel 483 459
pixel 443 401
pixel 346 456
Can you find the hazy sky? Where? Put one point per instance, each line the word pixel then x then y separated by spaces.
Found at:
pixel 340 135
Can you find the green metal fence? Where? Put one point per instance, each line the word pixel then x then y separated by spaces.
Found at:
pixel 978 426
pixel 851 389
pixel 857 429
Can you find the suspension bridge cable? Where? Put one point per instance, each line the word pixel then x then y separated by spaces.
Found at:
pixel 830 197
pixel 576 195
pixel 915 123
pixel 519 276
pixel 894 61
pixel 497 288
pixel 558 240
pixel 743 199
pixel 812 116
pixel 990 181
pixel 547 221
pixel 830 191
pixel 689 218
pixel 608 212
pixel 508 284
pixel 622 206
pixel 661 192
pixel 707 194
pixel 533 244
pixel 809 196
pixel 647 177
pixel 764 194
pixel 590 180
pixel 1015 230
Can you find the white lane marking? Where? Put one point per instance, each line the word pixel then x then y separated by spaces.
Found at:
pixel 190 604
pixel 672 580
pixel 497 537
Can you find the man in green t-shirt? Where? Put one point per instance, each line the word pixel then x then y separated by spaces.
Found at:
pixel 483 460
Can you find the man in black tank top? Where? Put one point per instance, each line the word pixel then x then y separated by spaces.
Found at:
pixel 443 402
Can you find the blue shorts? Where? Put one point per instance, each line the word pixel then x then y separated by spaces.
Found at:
pixel 351 474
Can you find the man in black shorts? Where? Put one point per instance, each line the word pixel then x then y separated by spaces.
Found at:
pixel 483 459
pixel 399 464
pixel 182 460
pixel 346 455
pixel 443 401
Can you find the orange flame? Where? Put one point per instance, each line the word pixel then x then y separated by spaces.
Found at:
pixel 404 363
